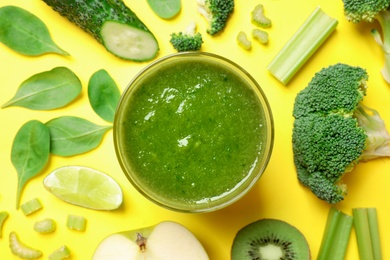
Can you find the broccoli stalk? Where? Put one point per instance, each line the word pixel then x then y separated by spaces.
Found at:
pixel 188 40
pixel 216 13
pixel 357 11
pixel 333 131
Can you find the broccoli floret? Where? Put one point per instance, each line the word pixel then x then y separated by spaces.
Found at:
pixel 258 17
pixel 333 131
pixel 368 11
pixel 188 40
pixel 216 12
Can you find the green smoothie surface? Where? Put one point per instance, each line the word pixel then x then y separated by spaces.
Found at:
pixel 192 132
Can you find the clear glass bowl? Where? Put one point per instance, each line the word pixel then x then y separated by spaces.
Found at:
pixel 193 132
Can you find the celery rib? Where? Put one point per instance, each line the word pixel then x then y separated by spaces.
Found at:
pixel 336 235
pixel 367 233
pixel 301 46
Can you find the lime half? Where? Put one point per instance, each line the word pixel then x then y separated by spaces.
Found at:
pixel 85 187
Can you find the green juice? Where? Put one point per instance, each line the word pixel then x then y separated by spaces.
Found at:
pixel 193 132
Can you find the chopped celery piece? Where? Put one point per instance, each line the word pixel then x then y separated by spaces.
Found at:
pixel 76 222
pixel 61 253
pixel 301 46
pixel 367 233
pixel 31 206
pixel 44 226
pixel 20 249
pixel 336 235
pixel 3 217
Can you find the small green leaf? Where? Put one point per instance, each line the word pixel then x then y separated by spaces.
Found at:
pixel 25 33
pixel 103 94
pixel 47 90
pixel 165 9
pixel 30 152
pixel 72 135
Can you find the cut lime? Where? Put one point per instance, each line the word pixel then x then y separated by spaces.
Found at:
pixel 85 187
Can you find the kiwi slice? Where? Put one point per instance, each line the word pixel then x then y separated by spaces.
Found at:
pixel 270 239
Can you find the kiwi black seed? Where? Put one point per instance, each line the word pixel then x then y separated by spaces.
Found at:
pixel 270 239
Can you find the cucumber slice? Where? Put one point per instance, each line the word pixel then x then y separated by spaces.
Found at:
pixel 113 24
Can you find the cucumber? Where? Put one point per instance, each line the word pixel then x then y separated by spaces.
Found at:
pixel 112 24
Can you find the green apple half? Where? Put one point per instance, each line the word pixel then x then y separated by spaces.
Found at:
pixel 166 240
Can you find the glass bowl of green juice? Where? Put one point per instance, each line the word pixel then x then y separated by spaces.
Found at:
pixel 193 132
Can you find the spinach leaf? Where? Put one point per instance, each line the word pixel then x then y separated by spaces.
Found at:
pixel 103 94
pixel 165 9
pixel 30 152
pixel 47 90
pixel 25 33
pixel 70 135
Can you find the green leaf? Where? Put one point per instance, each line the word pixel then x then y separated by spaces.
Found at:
pixel 30 152
pixel 47 90
pixel 103 94
pixel 25 33
pixel 165 9
pixel 70 135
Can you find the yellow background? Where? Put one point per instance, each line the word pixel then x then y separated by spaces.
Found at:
pixel 278 193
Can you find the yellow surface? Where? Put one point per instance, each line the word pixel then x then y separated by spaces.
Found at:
pixel 278 193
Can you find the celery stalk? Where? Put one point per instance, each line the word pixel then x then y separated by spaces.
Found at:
pixel 336 235
pixel 367 233
pixel 3 217
pixel 301 46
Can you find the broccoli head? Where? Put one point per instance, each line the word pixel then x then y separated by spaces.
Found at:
pixel 367 11
pixel 333 131
pixel 188 40
pixel 216 12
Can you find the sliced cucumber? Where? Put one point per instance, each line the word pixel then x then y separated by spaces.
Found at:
pixel 112 24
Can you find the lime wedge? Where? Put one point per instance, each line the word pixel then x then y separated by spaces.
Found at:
pixel 85 187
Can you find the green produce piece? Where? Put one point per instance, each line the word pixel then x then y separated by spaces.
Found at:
pixel 3 217
pixel 30 153
pixel 31 206
pixel 336 236
pixel 21 250
pixel 269 239
pixel 77 223
pixel 70 135
pixel 103 94
pixel 243 41
pixel 45 226
pixel 260 35
pixel 47 90
pixel 85 187
pixel 258 17
pixel 112 24
pixel 333 131
pixel 25 33
pixel 302 45
pixel 370 11
pixel 216 13
pixel 367 233
pixel 62 252
pixel 187 40
pixel 165 9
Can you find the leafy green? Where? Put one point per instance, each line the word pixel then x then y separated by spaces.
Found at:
pixel 30 152
pixel 103 94
pixel 70 135
pixel 165 9
pixel 47 90
pixel 25 33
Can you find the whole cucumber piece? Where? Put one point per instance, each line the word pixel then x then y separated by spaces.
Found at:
pixel 111 23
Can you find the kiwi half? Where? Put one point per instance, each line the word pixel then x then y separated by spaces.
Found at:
pixel 270 239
